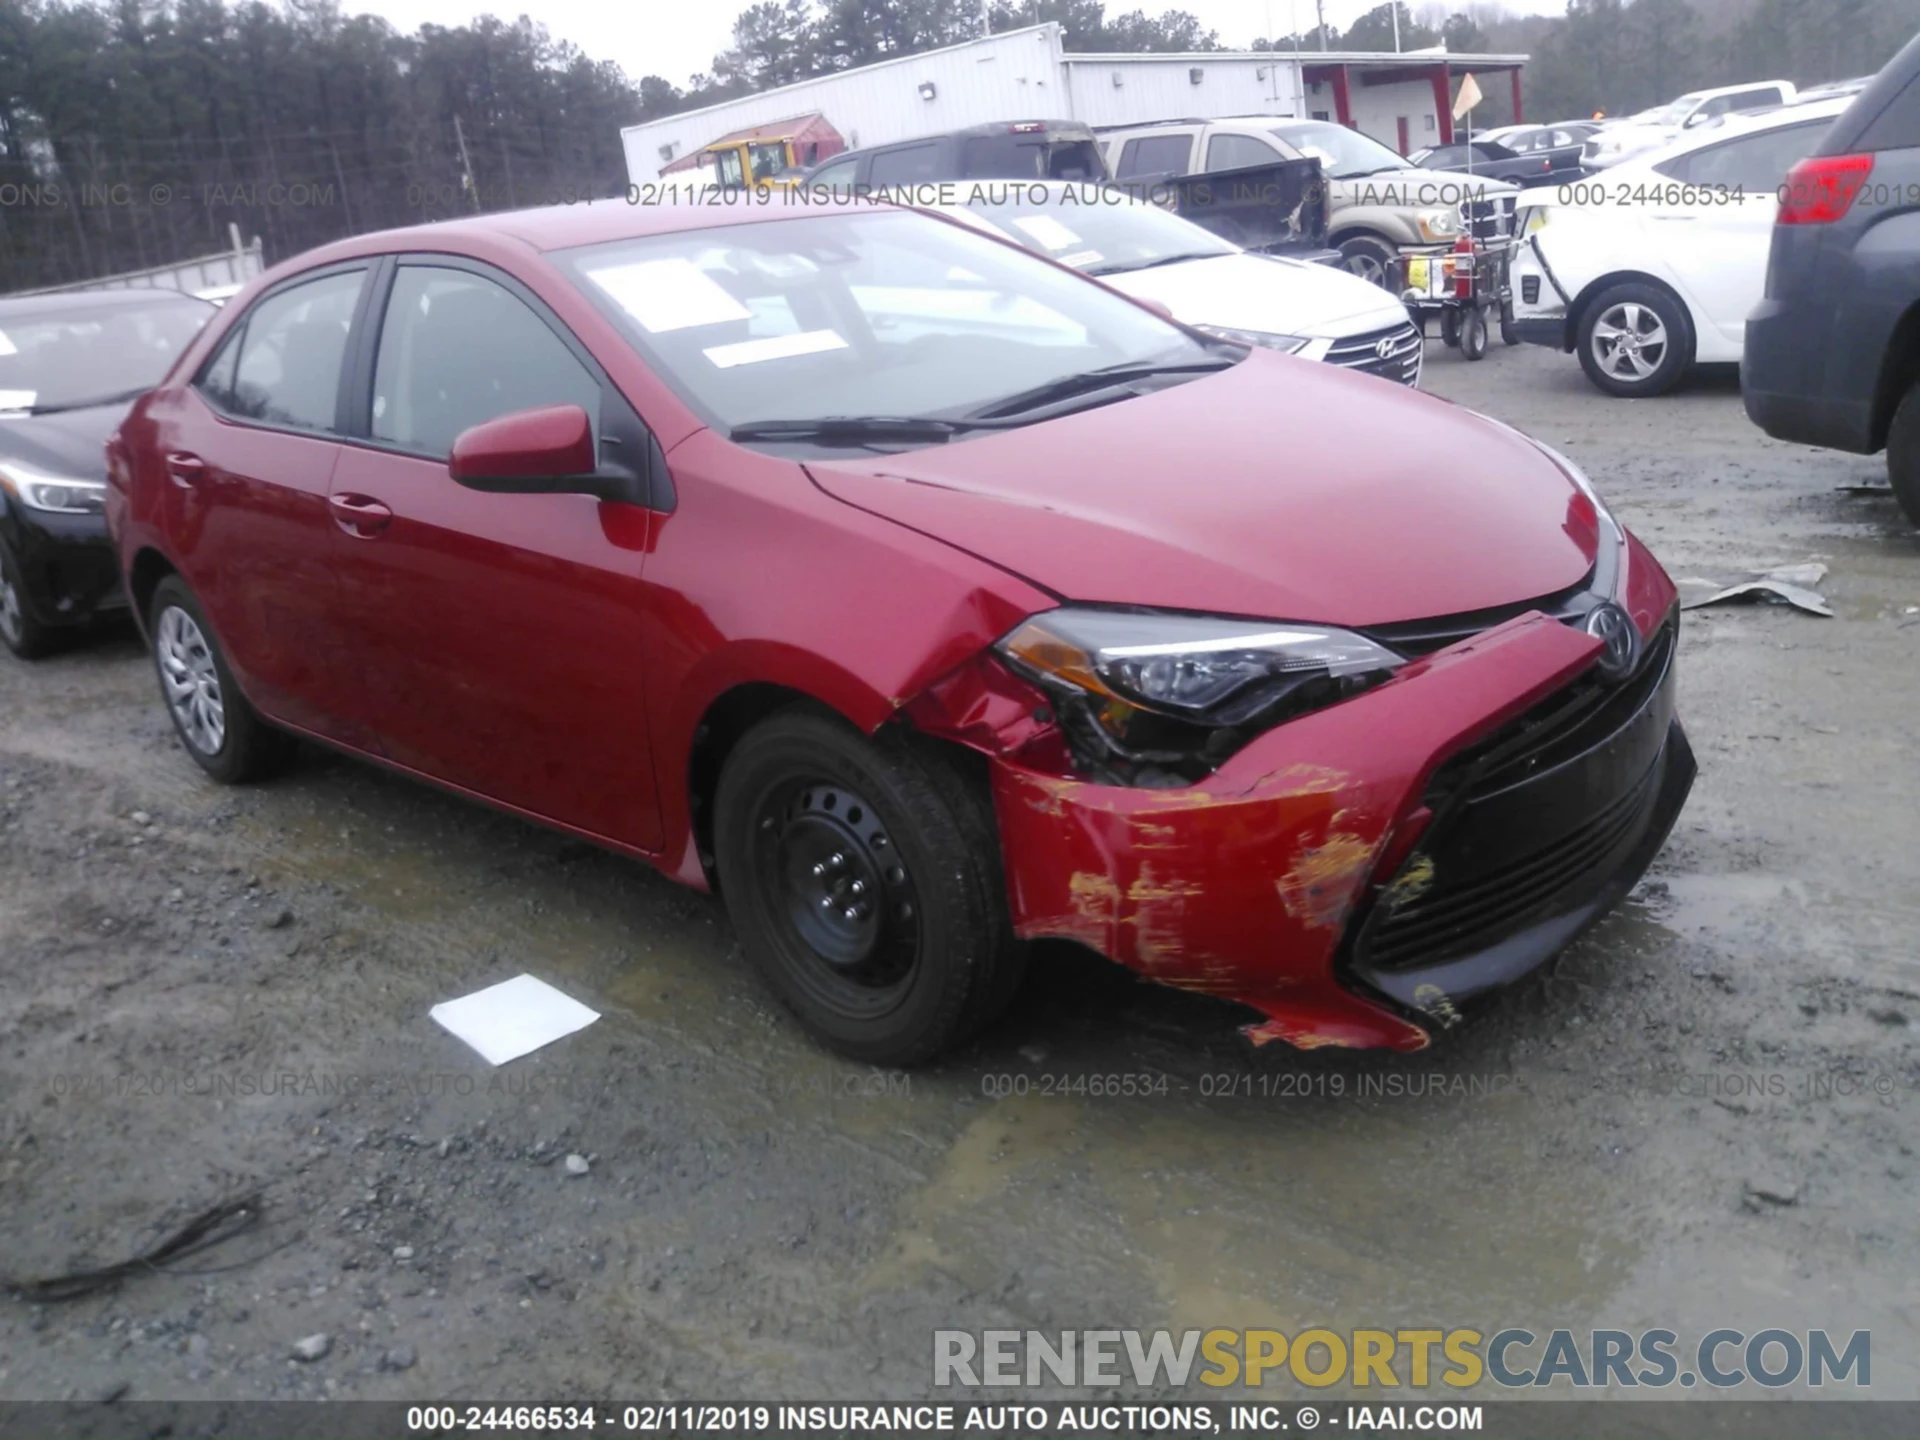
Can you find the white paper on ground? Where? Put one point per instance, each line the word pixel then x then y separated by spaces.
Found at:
pixel 514 1018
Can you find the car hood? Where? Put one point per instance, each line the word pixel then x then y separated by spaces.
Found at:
pixel 70 443
pixel 1278 489
pixel 1258 292
pixel 1422 189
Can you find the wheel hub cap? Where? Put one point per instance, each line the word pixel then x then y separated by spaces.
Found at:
pixel 191 680
pixel 1629 341
pixel 844 890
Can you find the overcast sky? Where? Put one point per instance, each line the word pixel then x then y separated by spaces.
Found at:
pixel 677 38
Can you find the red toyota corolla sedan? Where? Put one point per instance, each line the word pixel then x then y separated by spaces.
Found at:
pixel 923 598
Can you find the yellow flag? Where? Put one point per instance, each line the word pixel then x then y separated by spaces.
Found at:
pixel 1468 97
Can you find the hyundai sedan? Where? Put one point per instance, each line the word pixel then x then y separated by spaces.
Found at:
pixel 921 597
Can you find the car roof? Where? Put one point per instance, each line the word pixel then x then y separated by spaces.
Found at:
pixel 54 301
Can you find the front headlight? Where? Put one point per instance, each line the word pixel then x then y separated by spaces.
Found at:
pixel 1438 224
pixel 1152 697
pixel 54 494
pixel 1267 339
pixel 1533 220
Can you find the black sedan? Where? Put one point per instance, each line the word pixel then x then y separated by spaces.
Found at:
pixel 69 367
pixel 1494 161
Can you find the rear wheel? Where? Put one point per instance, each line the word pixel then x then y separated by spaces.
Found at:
pixel 223 733
pixel 1903 454
pixel 864 878
pixel 1509 335
pixel 1450 328
pixel 1635 340
pixel 24 635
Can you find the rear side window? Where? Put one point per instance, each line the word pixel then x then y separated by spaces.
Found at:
pixel 1237 152
pixel 1154 155
pixel 286 369
pixel 1004 157
pixel 1898 126
pixel 1756 164
pixel 457 349
pixel 909 165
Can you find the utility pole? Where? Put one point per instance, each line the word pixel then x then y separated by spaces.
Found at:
pixel 1320 19
pixel 467 181
pixel 1395 11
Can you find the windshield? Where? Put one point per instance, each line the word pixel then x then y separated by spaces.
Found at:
pixel 68 355
pixel 1100 230
pixel 860 312
pixel 1343 154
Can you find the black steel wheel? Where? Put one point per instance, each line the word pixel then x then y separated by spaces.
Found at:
pixel 864 877
pixel 843 892
pixel 1509 334
pixel 1450 327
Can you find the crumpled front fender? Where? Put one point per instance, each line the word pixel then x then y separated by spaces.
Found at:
pixel 1242 885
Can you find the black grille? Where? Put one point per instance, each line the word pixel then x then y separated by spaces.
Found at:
pixel 1448 922
pixel 1470 904
pixel 1400 362
pixel 1569 722
pixel 1492 218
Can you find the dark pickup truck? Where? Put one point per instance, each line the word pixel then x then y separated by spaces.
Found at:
pixel 1277 209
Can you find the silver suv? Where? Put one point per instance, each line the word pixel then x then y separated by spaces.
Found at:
pixel 1376 200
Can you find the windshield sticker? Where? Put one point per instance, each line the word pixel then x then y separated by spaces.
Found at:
pixel 1048 231
pixel 7 347
pixel 775 347
pixel 17 399
pixel 1080 259
pixel 668 295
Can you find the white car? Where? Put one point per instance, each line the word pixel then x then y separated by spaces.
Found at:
pixel 1319 312
pixel 1654 265
pixel 1650 130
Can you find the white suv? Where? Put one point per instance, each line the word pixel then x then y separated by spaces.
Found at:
pixel 1376 200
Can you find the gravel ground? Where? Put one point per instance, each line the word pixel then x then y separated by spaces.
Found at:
pixel 207 991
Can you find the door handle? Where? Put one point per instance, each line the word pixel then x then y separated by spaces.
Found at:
pixel 185 468
pixel 359 515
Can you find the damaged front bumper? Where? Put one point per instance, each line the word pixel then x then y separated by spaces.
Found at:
pixel 1357 873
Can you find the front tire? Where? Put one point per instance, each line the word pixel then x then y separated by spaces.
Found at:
pixel 1635 340
pixel 223 733
pixel 24 635
pixel 864 878
pixel 1903 454
pixel 1371 258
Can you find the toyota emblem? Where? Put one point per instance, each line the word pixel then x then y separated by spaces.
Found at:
pixel 1619 639
pixel 1383 350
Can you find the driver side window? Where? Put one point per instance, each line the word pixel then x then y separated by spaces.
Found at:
pixel 458 349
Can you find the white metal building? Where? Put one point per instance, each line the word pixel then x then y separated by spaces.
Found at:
pixel 1401 100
